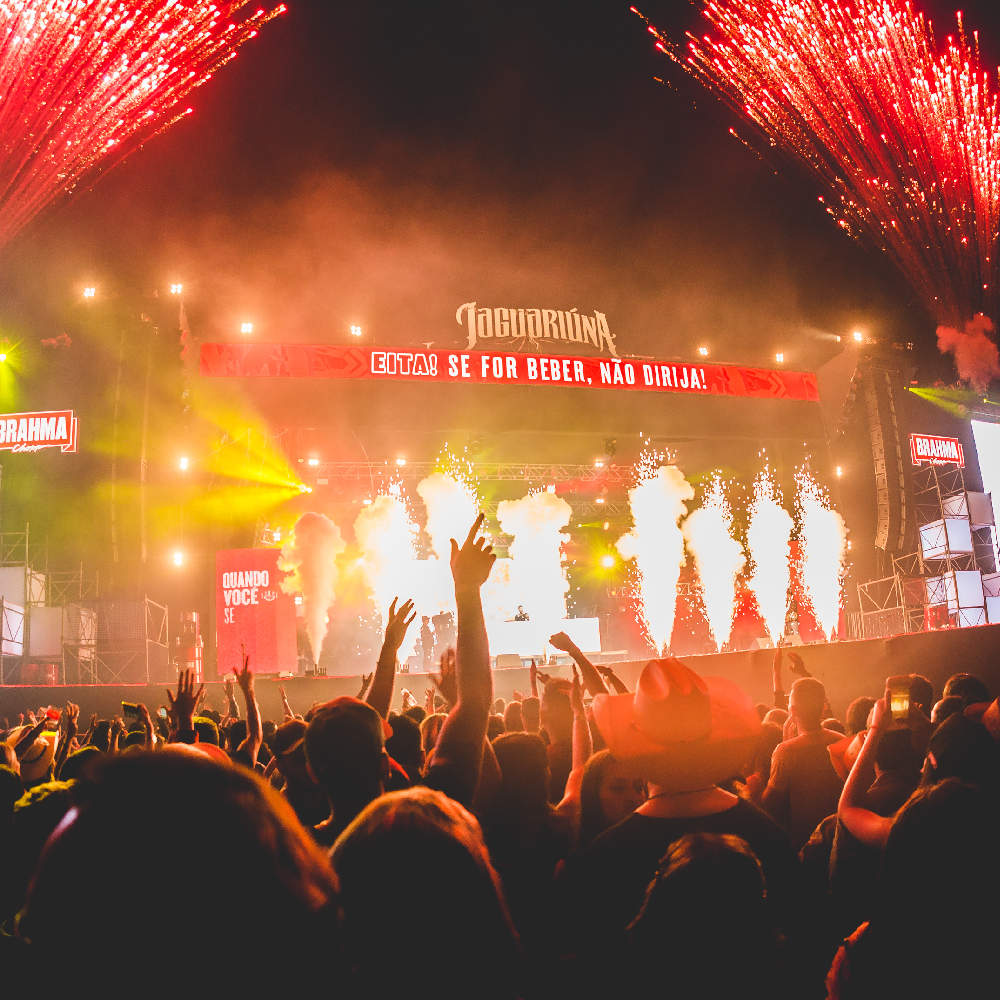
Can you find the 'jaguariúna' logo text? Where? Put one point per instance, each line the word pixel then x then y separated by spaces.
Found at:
pixel 536 324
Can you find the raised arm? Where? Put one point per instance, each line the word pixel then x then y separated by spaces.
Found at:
pixel 867 826
pixel 583 742
pixel 458 755
pixel 182 708
pixel 70 718
pixel 286 708
pixel 147 726
pixel 780 698
pixel 255 734
pixel 613 679
pixel 591 678
pixel 380 693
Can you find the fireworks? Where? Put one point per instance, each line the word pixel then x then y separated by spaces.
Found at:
pixel 82 82
pixel 824 545
pixel 904 140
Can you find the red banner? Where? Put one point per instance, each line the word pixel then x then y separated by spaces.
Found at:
pixel 34 431
pixel 480 367
pixel 253 612
pixel 936 450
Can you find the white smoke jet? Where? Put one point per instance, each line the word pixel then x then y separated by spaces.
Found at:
pixel 657 546
pixel 537 575
pixel 451 503
pixel 824 546
pixel 718 557
pixel 310 558
pixel 768 535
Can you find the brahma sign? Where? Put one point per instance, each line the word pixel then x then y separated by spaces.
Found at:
pixel 34 431
pixel 253 612
pixel 936 450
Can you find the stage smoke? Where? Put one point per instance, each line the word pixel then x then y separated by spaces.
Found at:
pixel 657 546
pixel 824 546
pixel 537 577
pixel 718 557
pixel 451 503
pixel 768 535
pixel 976 356
pixel 310 558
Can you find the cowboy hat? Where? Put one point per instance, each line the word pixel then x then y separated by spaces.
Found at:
pixel 37 759
pixel 680 730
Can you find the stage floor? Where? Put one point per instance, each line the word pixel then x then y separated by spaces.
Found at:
pixel 848 669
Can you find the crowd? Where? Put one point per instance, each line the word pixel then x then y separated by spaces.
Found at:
pixel 585 840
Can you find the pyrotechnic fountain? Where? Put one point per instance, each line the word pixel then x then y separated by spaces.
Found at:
pixel 768 535
pixel 718 557
pixel 537 575
pixel 82 82
pixel 657 545
pixel 310 558
pixel 824 544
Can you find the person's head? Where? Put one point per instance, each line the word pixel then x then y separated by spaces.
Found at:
pixel 425 620
pixel 557 711
pixel 608 793
pixel 805 704
pixel 267 730
pixel 75 763
pixel 777 716
pixel 135 738
pixel 494 727
pixel 101 736
pixel 288 744
pixel 520 610
pixel 946 707
pixel 524 765
pixel 512 721
pixel 36 763
pixel 704 917
pixel 857 715
pixel 237 734
pixel 416 712
pixel 762 710
pixel 770 737
pixel 404 746
pixel 834 725
pixel 531 714
pixel 922 693
pixel 170 796
pixel 970 689
pixel 498 706
pixel 430 730
pixel 345 748
pixel 424 830
pixel 962 748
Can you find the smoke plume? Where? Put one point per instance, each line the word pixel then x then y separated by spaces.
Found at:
pixel 976 356
pixel 537 576
pixel 824 545
pixel 768 535
pixel 718 557
pixel 657 546
pixel 310 558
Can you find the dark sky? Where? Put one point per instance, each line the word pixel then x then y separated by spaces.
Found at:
pixel 382 163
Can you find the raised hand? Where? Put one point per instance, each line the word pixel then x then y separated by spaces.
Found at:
pixel 562 641
pixel 544 678
pixel 797 666
pixel 576 695
pixel 471 564
pixel 244 677
pixel 71 717
pixel 447 682
pixel 228 687
pixel 399 621
pixel 182 706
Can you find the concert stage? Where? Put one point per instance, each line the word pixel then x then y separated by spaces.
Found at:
pixel 848 669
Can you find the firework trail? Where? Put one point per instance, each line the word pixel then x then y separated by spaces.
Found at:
pixel 718 556
pixel 904 139
pixel 824 545
pixel 657 544
pixel 768 535
pixel 83 82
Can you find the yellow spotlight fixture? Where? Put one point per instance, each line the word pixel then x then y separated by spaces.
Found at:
pixel 607 561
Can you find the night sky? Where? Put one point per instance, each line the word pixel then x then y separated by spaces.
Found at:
pixel 382 163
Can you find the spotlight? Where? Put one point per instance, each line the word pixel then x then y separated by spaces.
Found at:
pixel 298 598
pixel 183 463
pixel 178 558
pixel 314 461
pixel 304 489
pixel 607 561
pixel 246 328
pixel 607 524
pixel 551 488
pixel 276 535
pixel 858 336
pixel 176 289
pixel 356 331
pixel 3 357
pixel 400 462
pixel 89 293
pixel 367 501
pixel 703 351
pixel 600 500
pixel 598 464
pixel 839 471
pixel 780 358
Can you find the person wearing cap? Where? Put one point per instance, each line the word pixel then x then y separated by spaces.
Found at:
pixel 304 795
pixel 684 734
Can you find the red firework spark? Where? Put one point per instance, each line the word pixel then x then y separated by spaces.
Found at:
pixel 904 139
pixel 83 81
